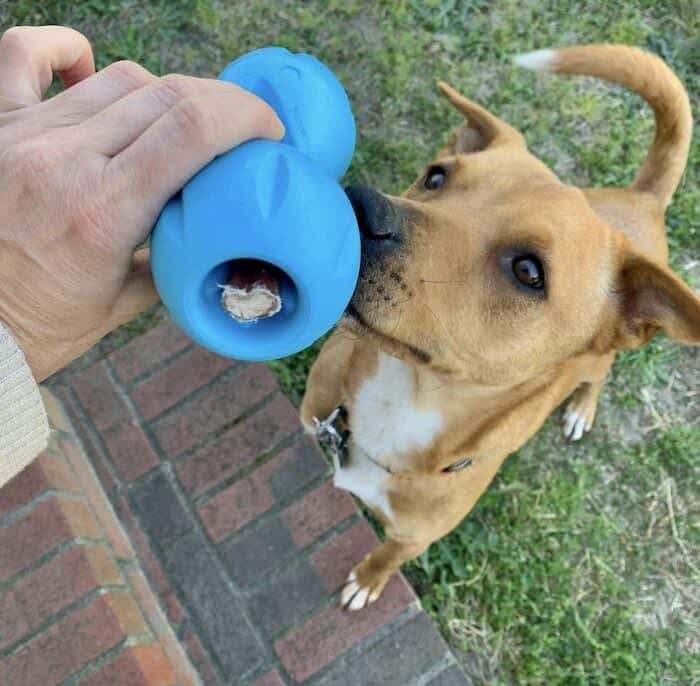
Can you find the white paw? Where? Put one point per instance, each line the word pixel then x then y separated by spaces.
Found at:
pixel 354 596
pixel 575 425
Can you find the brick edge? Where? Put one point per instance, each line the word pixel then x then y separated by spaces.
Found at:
pixel 120 547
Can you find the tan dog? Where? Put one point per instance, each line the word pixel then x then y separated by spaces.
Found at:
pixel 490 292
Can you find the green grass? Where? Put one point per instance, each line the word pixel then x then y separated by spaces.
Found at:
pixel 558 573
pixel 580 564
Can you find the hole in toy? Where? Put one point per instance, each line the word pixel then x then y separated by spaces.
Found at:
pixel 255 290
pixel 254 339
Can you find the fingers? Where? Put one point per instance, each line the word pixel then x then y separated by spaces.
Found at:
pixel 138 294
pixel 116 127
pixel 94 94
pixel 180 142
pixel 29 55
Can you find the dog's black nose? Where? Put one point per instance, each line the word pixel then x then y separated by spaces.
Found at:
pixel 375 214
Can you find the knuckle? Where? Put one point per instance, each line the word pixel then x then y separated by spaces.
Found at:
pixel 174 87
pixel 129 72
pixel 191 120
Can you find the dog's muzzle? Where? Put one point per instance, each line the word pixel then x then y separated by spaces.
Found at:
pixel 376 216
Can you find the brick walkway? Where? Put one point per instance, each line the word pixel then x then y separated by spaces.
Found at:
pixel 231 515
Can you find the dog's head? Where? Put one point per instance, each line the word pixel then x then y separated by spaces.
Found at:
pixel 490 268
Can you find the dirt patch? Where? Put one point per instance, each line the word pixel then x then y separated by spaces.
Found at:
pixel 660 406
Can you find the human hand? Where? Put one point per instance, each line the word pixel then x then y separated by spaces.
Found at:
pixel 84 175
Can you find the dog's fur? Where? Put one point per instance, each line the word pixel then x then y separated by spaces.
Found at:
pixel 444 356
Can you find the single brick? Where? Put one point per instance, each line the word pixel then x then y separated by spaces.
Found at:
pixel 143 665
pixel 203 416
pixel 141 545
pixel 158 582
pixel 201 660
pixel 217 614
pixel 318 511
pixel 280 477
pixel 453 676
pixel 186 374
pixel 160 510
pixel 145 352
pixel 338 556
pixel 69 576
pixel 239 446
pixel 286 598
pixel 395 660
pixel 270 679
pixel 99 397
pixel 47 472
pixel 71 643
pixel 129 449
pixel 42 529
pixel 250 557
pixel 330 633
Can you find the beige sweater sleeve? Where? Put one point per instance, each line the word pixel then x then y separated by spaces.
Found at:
pixel 24 427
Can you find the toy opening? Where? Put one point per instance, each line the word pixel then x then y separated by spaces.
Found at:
pixel 252 291
pixel 251 339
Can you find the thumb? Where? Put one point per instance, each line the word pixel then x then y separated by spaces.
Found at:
pixel 138 293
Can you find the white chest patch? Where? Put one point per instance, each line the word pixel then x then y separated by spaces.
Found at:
pixel 366 480
pixel 385 421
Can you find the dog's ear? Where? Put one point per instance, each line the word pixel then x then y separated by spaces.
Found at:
pixel 483 128
pixel 652 297
pixel 463 140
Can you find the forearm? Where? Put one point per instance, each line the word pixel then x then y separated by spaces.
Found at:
pixel 24 427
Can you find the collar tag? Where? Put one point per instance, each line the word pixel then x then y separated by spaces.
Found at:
pixel 332 433
pixel 459 465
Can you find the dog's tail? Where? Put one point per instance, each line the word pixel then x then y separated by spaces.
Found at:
pixel 649 77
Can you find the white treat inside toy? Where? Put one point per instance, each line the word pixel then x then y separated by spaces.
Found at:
pixel 252 291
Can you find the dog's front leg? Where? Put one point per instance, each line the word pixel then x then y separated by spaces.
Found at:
pixel 581 408
pixel 416 510
pixel 367 580
pixel 324 386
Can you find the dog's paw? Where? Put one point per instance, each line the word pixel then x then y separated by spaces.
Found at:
pixel 575 425
pixel 579 414
pixel 357 595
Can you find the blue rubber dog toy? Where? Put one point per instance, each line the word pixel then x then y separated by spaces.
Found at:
pixel 279 203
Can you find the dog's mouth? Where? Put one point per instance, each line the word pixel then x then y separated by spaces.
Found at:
pixel 353 313
pixel 395 346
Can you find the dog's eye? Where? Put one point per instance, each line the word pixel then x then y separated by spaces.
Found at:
pixel 434 178
pixel 528 270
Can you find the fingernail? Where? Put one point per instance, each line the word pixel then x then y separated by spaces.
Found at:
pixel 278 129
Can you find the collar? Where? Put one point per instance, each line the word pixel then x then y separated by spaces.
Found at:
pixel 334 433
